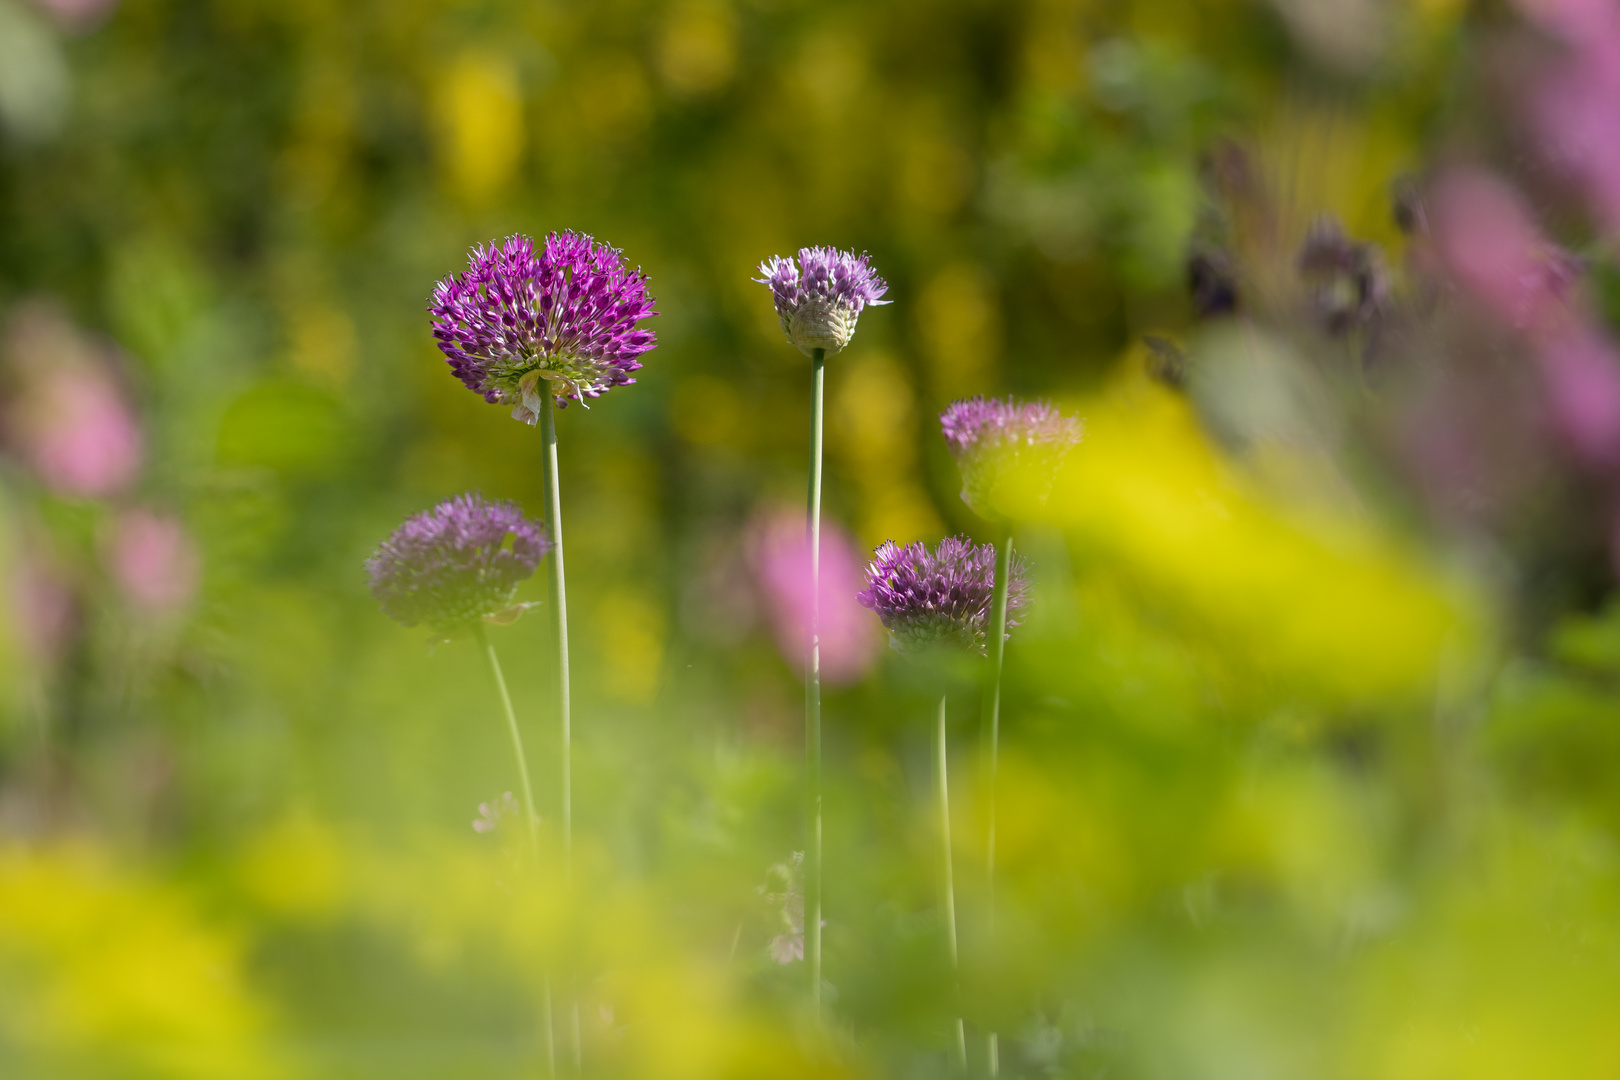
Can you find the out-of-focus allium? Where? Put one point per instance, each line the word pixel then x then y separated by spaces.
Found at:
pixel 784 891
pixel 820 296
pixel 1486 237
pixel 940 597
pixel 458 562
pixel 991 439
pixel 1212 283
pixel 564 315
pixel 154 561
pixel 780 554
pixel 490 814
pixel 69 418
pixel 1346 277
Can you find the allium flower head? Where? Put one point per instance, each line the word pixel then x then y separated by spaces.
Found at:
pixel 458 562
pixel 820 296
pixel 990 438
pixel 940 597
pixel 564 315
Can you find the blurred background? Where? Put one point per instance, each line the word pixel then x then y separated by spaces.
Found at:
pixel 1310 739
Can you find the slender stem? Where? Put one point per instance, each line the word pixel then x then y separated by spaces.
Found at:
pixel 812 697
pixel 517 737
pixel 998 653
pixel 551 1036
pixel 559 619
pixel 950 875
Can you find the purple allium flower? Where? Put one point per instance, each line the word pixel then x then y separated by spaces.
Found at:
pixel 565 314
pixel 1347 279
pixel 940 597
pixel 989 437
pixel 456 563
pixel 820 297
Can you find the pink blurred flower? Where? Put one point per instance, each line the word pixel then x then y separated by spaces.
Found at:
pixel 780 554
pixel 78 14
pixel 1582 372
pixel 1488 240
pixel 1575 109
pixel 69 419
pixel 78 434
pixel 154 561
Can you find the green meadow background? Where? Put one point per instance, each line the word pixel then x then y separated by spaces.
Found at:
pixel 1295 781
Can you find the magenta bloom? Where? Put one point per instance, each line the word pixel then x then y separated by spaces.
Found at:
pixel 456 563
pixel 565 314
pixel 820 297
pixel 154 561
pixel 780 553
pixel 940 597
pixel 990 438
pixel 1488 239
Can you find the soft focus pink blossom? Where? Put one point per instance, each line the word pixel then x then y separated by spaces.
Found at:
pixel 68 417
pixel 1576 114
pixel 1582 371
pixel 78 434
pixel 780 553
pixel 78 14
pixel 1488 240
pixel 1575 109
pixel 154 561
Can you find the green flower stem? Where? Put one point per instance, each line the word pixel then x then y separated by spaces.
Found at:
pixel 992 712
pixel 812 697
pixel 559 619
pixel 517 737
pixel 950 875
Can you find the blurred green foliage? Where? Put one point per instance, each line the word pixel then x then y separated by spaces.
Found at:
pixel 1292 784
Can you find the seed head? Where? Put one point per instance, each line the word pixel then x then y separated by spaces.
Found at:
pixel 820 296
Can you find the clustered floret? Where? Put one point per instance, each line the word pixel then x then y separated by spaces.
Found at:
pixel 820 296
pixel 989 438
pixel 564 315
pixel 940 597
pixel 456 563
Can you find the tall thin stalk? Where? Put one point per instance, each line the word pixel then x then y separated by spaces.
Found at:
pixel 950 875
pixel 531 817
pixel 812 697
pixel 992 712
pixel 517 737
pixel 559 618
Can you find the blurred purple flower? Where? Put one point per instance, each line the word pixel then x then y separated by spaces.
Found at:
pixel 154 561
pixel 78 14
pixel 1576 112
pixel 1488 240
pixel 820 297
pixel 458 562
pixel 940 597
pixel 989 437
pixel 780 554
pixel 565 315
pixel 69 419
pixel 1582 371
